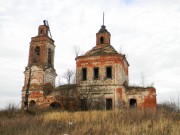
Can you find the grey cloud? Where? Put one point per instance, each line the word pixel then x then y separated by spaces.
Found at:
pixel 148 30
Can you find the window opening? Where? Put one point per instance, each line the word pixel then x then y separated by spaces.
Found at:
pixel 37 54
pixel 41 31
pixel 37 50
pixel 49 56
pixel 109 72
pixel 96 73
pixel 84 74
pixel 101 40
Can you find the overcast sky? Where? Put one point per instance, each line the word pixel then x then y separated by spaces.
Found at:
pixel 148 31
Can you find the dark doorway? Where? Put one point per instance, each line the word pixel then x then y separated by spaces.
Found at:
pixel 32 104
pixel 133 103
pixel 55 105
pixel 109 104
pixel 83 104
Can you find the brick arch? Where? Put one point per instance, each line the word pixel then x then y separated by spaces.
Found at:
pixel 32 104
pixel 55 105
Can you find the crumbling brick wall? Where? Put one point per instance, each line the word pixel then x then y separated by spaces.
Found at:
pixel 145 97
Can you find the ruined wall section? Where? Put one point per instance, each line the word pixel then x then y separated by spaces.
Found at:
pixel 41 64
pixel 120 97
pixel 100 92
pixel 145 97
pixel 122 73
pixel 37 75
pixel 110 88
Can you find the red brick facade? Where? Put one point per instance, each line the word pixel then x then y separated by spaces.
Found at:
pixel 101 77
pixel 41 64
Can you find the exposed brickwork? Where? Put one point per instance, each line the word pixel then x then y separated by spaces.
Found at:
pixel 101 78
pixel 41 64
pixel 146 97
pixel 103 55
pixel 150 99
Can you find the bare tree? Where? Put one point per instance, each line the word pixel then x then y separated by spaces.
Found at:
pixel 68 95
pixel 77 51
pixel 26 99
pixel 27 91
pixel 88 98
pixel 68 75
pixel 91 101
pixel 143 80
pixel 58 81
pixel 121 49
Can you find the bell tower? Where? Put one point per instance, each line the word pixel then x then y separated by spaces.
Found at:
pixel 103 37
pixel 40 69
pixel 42 47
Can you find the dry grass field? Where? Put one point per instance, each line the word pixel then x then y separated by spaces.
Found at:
pixel 166 121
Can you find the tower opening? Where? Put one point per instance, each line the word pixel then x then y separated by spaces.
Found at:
pixel 41 31
pixel 102 40
pixel 36 54
pixel 133 103
pixel 49 56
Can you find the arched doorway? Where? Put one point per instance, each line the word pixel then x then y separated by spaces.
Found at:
pixel 55 105
pixel 32 104
pixel 133 103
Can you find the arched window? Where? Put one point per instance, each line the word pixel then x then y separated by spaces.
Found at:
pixel 101 40
pixel 41 31
pixel 32 104
pixel 49 56
pixel 37 50
pixel 36 54
pixel 55 105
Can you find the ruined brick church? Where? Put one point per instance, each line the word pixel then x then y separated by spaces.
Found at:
pixel 101 78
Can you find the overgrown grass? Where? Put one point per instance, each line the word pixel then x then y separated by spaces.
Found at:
pixel 117 122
